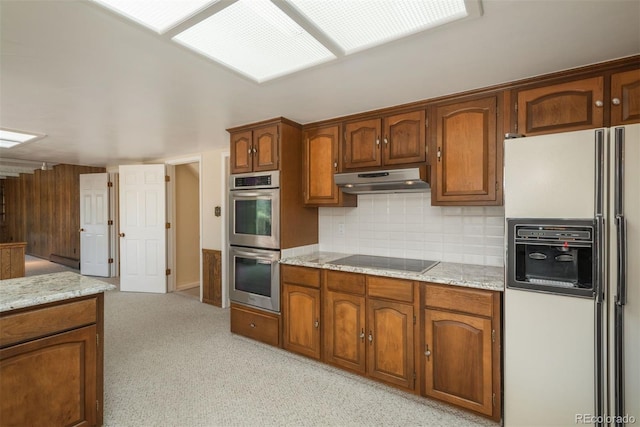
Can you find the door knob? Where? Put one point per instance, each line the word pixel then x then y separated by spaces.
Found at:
pixel 121 234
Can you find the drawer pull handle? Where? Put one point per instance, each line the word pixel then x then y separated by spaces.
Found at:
pixel 253 325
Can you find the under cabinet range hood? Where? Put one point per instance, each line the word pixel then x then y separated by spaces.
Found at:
pixel 386 181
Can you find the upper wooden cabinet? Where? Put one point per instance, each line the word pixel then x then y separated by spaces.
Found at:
pixel 466 153
pixel 562 107
pixel 320 160
pixel 599 101
pixel 390 140
pixel 625 98
pixel 255 150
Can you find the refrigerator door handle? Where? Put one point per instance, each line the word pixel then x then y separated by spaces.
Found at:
pixel 621 291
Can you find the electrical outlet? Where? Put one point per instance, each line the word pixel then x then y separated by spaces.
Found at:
pixel 341 229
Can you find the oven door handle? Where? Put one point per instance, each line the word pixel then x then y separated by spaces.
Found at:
pixel 252 194
pixel 254 255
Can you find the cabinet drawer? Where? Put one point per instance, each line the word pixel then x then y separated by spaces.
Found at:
pixel 352 283
pixel 394 289
pixel 301 276
pixel 27 325
pixel 257 325
pixel 464 300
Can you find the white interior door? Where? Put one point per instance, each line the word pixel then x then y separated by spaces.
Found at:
pixel 142 228
pixel 94 227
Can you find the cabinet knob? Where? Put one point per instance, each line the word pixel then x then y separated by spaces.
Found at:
pixel 615 101
pixel 378 141
pixel 316 324
pixel 427 352
pixel 121 234
pixel 439 154
pixel 370 337
pixel 362 335
pixel 386 140
pixel 335 165
pixel 599 103
pixel 253 325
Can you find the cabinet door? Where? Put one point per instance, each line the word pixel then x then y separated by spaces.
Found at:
pixel 561 108
pixel 390 342
pixel 404 138
pixel 344 331
pixel 241 152
pixel 265 148
pixel 362 144
pixel 466 144
pixel 301 320
pixel 320 161
pixel 625 98
pixel 458 360
pixel 50 381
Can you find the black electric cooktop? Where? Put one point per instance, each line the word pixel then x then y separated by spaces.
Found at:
pixel 386 263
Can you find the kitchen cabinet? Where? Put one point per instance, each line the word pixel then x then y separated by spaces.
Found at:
pixel 51 363
pixel 600 101
pixel 12 260
pixel 467 152
pixel 301 310
pixel 385 141
pixel 255 324
pixel 255 150
pixel 369 326
pixel 461 349
pixel 320 153
pixel 625 98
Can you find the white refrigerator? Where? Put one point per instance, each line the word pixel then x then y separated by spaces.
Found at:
pixel 572 360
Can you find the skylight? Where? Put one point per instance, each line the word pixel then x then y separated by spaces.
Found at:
pixel 360 24
pixel 266 39
pixel 256 39
pixel 160 15
pixel 10 139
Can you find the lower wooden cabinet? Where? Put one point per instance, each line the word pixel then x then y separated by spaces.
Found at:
pixel 440 341
pixel 301 310
pixel 255 324
pixel 461 354
pixel 51 364
pixel 367 329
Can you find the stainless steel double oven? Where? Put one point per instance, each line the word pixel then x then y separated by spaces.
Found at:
pixel 254 239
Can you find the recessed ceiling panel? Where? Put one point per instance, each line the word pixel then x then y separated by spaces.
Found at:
pixel 158 15
pixel 257 39
pixel 359 24
pixel 9 138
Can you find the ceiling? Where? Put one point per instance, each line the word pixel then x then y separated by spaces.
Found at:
pixel 108 91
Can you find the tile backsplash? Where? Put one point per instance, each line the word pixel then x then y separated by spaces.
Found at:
pixel 407 226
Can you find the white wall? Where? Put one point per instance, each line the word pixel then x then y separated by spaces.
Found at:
pixel 407 226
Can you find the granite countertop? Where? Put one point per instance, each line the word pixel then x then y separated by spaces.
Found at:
pixel 34 290
pixel 466 275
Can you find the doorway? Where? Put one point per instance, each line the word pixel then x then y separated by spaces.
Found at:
pixel 183 254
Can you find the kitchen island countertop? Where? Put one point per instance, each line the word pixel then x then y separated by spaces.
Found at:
pixel 448 273
pixel 35 290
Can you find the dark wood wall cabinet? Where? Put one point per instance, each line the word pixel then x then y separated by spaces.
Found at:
pixel 321 159
pixel 255 150
pixel 51 364
pixel 467 155
pixel 385 141
pixel 462 137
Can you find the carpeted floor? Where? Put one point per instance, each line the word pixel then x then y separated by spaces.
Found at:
pixel 171 361
pixel 34 266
